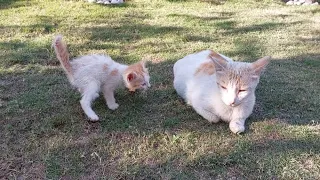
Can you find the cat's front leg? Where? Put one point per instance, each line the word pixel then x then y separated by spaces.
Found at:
pixel 237 125
pixel 109 97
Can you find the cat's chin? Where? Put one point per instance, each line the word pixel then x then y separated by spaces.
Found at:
pixel 232 105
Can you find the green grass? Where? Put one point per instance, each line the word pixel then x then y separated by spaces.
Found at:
pixel 45 134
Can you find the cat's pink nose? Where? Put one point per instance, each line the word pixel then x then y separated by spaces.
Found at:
pixel 232 103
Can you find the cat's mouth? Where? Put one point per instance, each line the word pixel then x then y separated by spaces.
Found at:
pixel 234 104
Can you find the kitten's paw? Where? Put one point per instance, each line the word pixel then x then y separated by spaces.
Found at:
pixel 93 117
pixel 236 128
pixel 113 106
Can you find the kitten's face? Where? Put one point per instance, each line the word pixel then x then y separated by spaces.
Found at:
pixel 137 77
pixel 237 80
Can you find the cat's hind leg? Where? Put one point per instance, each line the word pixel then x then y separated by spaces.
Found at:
pixel 89 94
pixel 207 114
pixel 108 94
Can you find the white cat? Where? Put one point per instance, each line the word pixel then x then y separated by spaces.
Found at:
pixel 92 73
pixel 217 87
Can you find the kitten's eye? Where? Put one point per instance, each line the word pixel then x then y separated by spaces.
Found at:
pixel 144 84
pixel 242 90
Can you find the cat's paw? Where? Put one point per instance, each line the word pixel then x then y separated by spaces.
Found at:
pixel 236 128
pixel 113 106
pixel 93 117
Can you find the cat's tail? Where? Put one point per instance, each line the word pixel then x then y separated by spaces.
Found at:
pixel 63 56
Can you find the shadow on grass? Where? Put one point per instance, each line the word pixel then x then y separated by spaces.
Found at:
pixel 202 20
pixel 9 4
pixel 24 53
pixel 232 30
pixel 288 90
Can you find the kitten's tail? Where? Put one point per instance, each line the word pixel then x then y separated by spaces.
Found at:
pixel 63 55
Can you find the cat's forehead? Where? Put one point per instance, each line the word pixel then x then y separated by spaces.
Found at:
pixel 236 73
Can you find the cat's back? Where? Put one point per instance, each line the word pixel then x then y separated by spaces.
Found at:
pixel 189 62
pixel 185 69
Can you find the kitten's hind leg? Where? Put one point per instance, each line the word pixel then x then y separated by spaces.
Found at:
pixel 89 94
pixel 108 94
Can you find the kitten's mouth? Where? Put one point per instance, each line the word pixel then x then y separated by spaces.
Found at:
pixel 132 92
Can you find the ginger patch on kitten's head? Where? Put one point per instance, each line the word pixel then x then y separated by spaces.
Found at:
pixel 136 76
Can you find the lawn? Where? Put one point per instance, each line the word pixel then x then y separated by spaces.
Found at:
pixel 44 133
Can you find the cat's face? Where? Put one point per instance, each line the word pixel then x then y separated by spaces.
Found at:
pixel 235 84
pixel 137 77
pixel 238 80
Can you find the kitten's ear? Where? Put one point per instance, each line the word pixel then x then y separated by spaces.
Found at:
pixel 259 65
pixel 143 64
pixel 219 62
pixel 131 76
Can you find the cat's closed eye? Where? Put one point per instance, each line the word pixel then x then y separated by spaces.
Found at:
pixel 223 87
pixel 143 84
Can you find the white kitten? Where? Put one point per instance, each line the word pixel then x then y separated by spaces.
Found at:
pixel 92 73
pixel 217 87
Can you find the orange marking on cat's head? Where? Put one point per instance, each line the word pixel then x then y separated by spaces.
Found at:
pixel 205 68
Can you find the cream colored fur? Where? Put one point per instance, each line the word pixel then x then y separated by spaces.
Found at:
pixel 217 87
pixel 94 73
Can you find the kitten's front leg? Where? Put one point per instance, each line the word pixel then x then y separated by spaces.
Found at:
pixel 109 97
pixel 237 125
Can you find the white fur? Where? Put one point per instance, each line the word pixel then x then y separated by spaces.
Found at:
pixel 92 75
pixel 209 99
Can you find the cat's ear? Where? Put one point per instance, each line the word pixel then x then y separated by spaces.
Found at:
pixel 131 76
pixel 259 65
pixel 219 62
